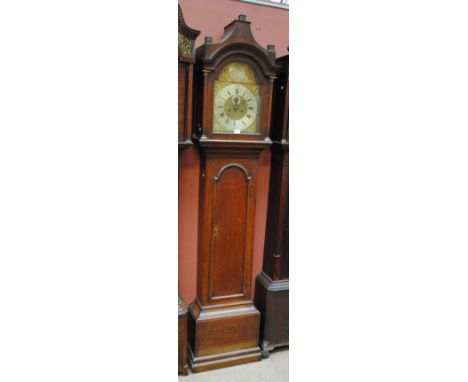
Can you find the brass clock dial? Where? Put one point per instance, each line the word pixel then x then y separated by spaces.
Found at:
pixel 236 100
pixel 235 108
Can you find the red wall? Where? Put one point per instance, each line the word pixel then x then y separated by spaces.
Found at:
pixel 269 26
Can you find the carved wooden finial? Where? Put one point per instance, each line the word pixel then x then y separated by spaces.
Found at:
pixel 237 33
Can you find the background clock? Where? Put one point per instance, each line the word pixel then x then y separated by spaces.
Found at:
pixel 186 52
pixel 272 284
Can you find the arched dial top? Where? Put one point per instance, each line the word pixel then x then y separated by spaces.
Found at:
pixel 237 100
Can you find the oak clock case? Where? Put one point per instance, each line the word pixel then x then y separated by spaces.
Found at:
pixel 272 284
pixel 234 86
pixel 186 60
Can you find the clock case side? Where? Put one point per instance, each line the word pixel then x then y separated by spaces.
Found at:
pixel 280 119
pixel 272 284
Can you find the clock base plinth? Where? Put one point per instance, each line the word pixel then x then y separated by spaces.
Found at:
pixel 217 361
pixel 272 300
pixel 223 336
pixel 182 356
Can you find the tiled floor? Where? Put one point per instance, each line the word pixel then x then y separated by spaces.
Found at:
pixel 273 369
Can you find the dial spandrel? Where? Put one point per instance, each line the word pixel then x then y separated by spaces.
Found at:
pixel 236 100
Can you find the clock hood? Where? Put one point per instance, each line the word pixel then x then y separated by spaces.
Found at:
pixel 237 39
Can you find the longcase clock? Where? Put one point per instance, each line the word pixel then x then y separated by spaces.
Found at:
pixel 272 285
pixel 234 86
pixel 186 50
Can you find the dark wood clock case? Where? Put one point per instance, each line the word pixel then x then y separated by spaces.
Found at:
pixel 186 53
pixel 223 321
pixel 186 50
pixel 272 285
pixel 182 323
